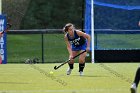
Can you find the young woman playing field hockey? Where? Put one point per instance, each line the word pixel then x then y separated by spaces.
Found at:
pixel 76 41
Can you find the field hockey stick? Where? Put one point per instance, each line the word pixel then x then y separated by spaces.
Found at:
pixel 8 26
pixel 56 67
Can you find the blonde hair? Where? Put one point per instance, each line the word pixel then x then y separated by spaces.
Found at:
pixel 66 27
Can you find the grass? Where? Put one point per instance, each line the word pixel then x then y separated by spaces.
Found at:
pixel 118 41
pixel 35 78
pixel 22 47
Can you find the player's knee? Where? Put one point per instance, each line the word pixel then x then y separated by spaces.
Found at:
pixel 81 60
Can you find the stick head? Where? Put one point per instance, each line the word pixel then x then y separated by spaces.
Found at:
pixel 55 67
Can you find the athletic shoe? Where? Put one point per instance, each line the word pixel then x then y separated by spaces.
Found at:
pixel 69 71
pixel 133 88
pixel 81 73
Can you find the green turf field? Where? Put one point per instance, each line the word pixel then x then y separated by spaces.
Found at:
pixel 22 47
pixel 98 78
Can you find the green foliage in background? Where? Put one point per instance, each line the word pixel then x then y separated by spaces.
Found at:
pixel 52 14
pixel 42 14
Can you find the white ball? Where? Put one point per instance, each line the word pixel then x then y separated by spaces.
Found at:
pixel 51 72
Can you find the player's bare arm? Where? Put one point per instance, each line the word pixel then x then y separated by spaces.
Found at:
pixel 80 33
pixel 68 46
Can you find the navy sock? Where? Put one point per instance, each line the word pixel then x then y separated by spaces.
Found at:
pixel 81 67
pixel 71 66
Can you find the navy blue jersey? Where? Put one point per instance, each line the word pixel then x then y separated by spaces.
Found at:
pixel 76 41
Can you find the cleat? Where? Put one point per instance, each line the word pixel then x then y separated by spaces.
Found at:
pixel 133 88
pixel 69 71
pixel 81 73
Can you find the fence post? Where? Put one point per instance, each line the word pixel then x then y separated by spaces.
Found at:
pixel 42 43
